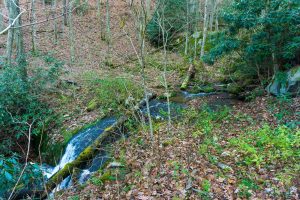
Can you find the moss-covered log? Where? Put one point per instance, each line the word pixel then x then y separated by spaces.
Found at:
pixel 190 75
pixel 108 135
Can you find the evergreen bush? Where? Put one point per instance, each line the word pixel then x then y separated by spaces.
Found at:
pixel 265 34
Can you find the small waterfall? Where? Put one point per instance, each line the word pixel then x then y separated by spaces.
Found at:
pixel 77 144
pixel 69 156
pixel 86 137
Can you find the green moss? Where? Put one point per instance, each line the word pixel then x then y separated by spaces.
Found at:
pixel 204 88
pixel 106 176
pixel 92 105
pixel 208 89
pixel 64 99
pixel 234 88
pixel 168 142
pixel 112 93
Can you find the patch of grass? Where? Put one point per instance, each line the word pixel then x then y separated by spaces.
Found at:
pixel 268 145
pixel 100 180
pixel 113 93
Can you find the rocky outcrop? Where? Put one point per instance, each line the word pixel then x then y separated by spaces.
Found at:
pixel 287 83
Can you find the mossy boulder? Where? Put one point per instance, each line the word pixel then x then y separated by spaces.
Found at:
pixel 285 83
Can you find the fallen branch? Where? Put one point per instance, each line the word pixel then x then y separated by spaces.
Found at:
pixel 190 75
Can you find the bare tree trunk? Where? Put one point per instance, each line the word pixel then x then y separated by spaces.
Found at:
pixel 99 14
pixel 212 14
pixel 10 35
pixel 65 12
pixel 1 19
pixel 275 64
pixel 53 11
pixel 33 26
pixel 141 16
pixel 165 42
pixel 71 33
pixel 108 33
pixel 187 29
pixel 217 23
pixel 21 60
pixel 148 8
pixel 194 11
pixel 204 28
pixel 200 11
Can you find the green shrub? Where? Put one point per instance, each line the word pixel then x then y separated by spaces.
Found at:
pixel 22 108
pixel 10 170
pixel 259 39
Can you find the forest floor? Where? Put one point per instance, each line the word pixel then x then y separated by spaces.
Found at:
pixel 241 151
pixel 236 152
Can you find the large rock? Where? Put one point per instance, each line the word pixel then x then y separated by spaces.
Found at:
pixel 289 83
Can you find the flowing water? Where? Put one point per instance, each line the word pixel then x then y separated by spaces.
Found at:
pixel 77 144
pixel 84 138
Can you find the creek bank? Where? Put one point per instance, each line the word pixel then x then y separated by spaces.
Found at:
pixel 91 156
pixel 69 163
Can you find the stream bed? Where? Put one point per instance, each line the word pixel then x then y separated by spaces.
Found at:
pixel 84 138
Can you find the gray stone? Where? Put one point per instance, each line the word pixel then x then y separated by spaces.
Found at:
pixel 289 86
pixel 224 167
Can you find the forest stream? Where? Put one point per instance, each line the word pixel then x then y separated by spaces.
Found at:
pixel 84 138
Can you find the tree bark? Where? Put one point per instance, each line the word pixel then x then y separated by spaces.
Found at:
pixel 53 11
pixel 148 9
pixel 1 19
pixel 33 26
pixel 21 59
pixel 10 35
pixel 187 28
pixel 99 14
pixel 108 33
pixel 71 33
pixel 65 12
pixel 212 14
pixel 204 28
